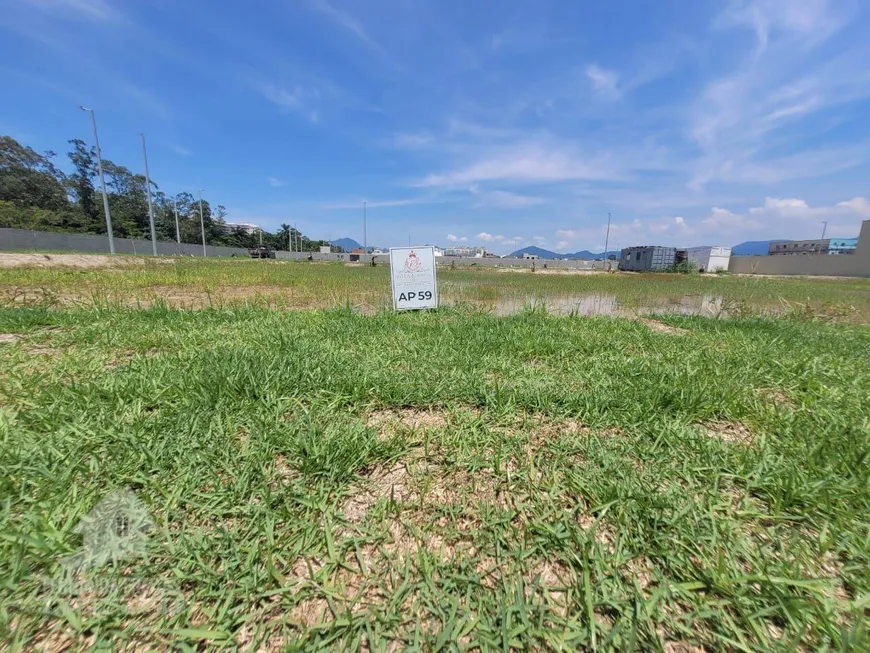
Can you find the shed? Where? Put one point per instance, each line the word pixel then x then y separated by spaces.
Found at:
pixel 647 258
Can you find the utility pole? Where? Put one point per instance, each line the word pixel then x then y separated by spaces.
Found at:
pixel 202 223
pixel 824 229
pixel 150 206
pixel 102 180
pixel 177 230
pixel 607 238
pixel 289 238
pixel 261 235
pixel 365 242
pixel 298 237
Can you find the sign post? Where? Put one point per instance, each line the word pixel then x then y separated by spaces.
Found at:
pixel 412 270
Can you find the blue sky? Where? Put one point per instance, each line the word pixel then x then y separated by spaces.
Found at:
pixel 503 124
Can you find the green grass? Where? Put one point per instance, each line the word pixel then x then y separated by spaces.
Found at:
pixel 197 283
pixel 452 479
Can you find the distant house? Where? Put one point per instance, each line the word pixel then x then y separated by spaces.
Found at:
pixel 800 247
pixel 842 245
pixel 530 257
pixel 465 252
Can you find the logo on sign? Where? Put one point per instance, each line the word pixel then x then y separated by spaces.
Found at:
pixel 413 264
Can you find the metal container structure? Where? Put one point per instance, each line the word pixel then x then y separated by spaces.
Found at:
pixel 710 259
pixel 647 258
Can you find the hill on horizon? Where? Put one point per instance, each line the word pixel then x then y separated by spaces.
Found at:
pixel 347 244
pixel 547 254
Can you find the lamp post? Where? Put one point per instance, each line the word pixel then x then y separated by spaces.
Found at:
pixel 365 242
pixel 102 180
pixel 148 191
pixel 607 239
pixel 202 223
pixel 824 229
pixel 177 230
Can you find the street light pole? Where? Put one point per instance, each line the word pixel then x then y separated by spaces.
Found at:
pixel 150 206
pixel 202 223
pixel 607 238
pixel 824 229
pixel 365 242
pixel 102 180
pixel 177 230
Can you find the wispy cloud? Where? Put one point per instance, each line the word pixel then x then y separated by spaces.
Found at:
pixel 181 151
pixel 146 99
pixel 374 204
pixel 98 10
pixel 302 100
pixel 604 82
pixel 274 182
pixel 456 239
pixel 346 21
pixel 503 199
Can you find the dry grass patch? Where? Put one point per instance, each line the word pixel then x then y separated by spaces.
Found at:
pixel 727 431
pixel 777 397
pixel 9 337
pixel 655 325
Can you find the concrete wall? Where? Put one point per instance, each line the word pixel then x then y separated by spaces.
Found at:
pixel 843 265
pixel 25 240
pixel 384 259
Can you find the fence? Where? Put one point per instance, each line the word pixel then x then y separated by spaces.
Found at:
pixel 26 240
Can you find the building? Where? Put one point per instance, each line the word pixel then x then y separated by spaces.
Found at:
pixel 465 252
pixel 796 247
pixel 710 259
pixel 842 245
pixel 325 249
pixel 647 258
pixel 530 257
pixel 248 227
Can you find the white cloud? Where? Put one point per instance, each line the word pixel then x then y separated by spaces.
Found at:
pixel 451 238
pixel 562 244
pixel 181 151
pixel 381 204
pixel 790 218
pixel 534 161
pixel 503 199
pixel 807 21
pixel 274 182
pixel 89 9
pixel 485 237
pixel 539 239
pixel 604 82
pixel 412 141
pixel 566 233
pixel 352 25
pixel 303 100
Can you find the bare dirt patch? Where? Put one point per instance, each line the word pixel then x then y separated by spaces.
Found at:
pixel 731 432
pixel 9 337
pixel 390 420
pixel 655 325
pixel 85 261
pixel 776 396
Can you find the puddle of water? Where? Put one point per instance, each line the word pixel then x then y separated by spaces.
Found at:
pixel 588 305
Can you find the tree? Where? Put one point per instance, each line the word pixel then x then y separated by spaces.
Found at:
pixel 81 184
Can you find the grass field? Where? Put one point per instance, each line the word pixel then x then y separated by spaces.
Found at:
pixel 196 283
pixel 452 479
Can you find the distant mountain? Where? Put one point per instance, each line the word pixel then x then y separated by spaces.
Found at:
pixel 535 251
pixel 347 244
pixel 754 247
pixel 547 254
pixel 586 255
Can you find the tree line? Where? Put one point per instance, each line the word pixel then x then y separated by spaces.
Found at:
pixel 36 194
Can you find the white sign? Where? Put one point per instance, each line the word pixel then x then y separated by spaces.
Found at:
pixel 413 273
